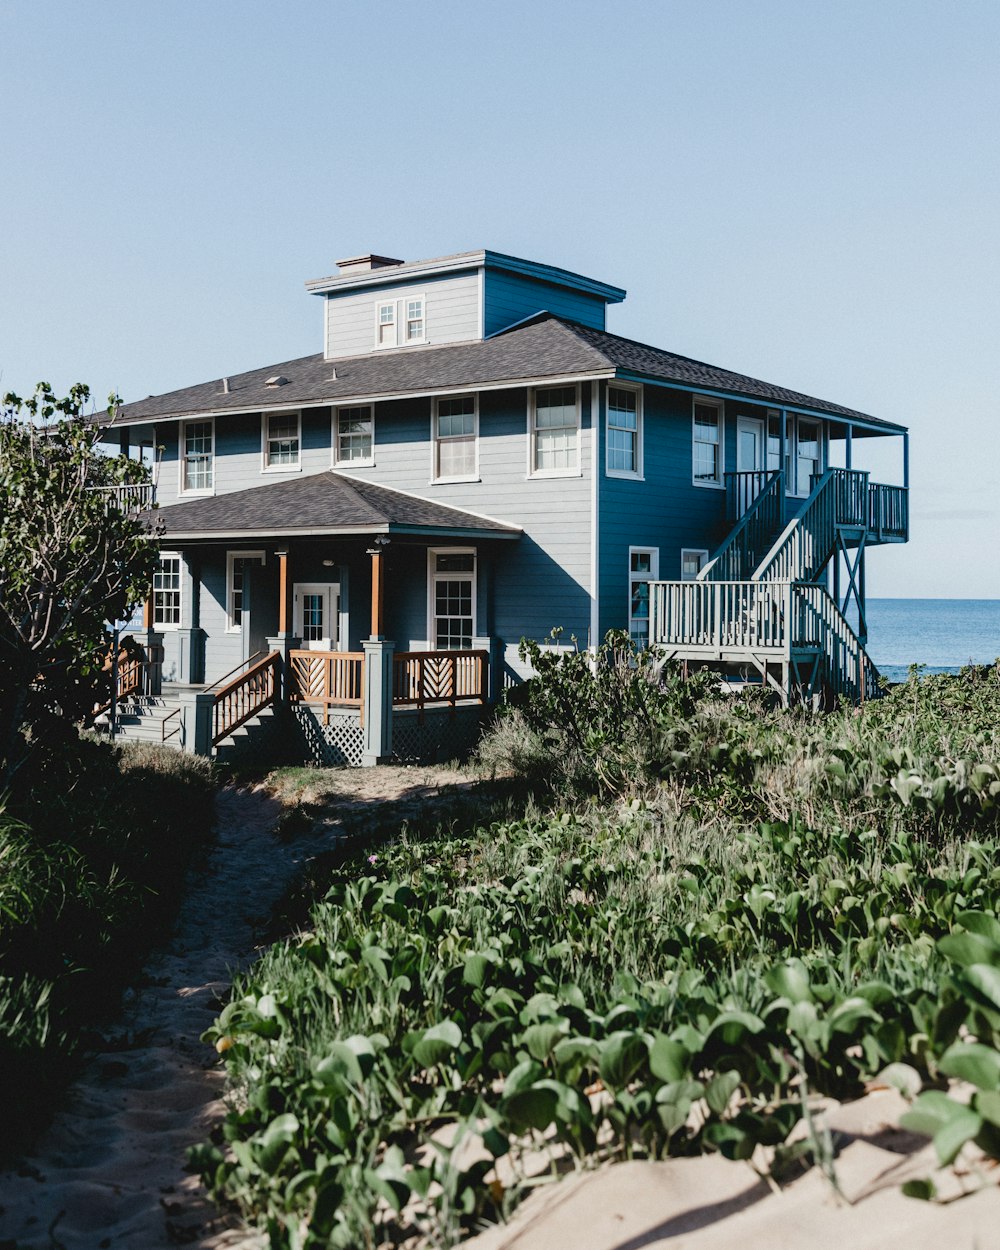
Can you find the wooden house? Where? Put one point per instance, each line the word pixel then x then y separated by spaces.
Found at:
pixel 367 533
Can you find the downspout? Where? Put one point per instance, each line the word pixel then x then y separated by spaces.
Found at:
pixel 595 466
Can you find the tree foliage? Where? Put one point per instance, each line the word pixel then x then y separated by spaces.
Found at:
pixel 74 553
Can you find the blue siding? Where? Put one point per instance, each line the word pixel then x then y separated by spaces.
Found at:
pixel 510 297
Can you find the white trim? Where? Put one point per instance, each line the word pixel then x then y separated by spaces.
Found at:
pixel 433 575
pixel 437 478
pixel 182 456
pixel 595 516
pixel 577 471
pixel 335 461
pixel 654 573
pixel 797 491
pixel 265 417
pixel 636 474
pixel 404 341
pixel 231 557
pixel 170 626
pixel 710 401
pixel 394 341
pixel 693 551
pixel 481 325
pixel 377 397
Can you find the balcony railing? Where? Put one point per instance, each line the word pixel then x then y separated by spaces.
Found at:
pixel 332 678
pixel 422 678
pixel 130 497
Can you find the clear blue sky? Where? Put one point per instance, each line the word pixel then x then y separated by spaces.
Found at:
pixel 807 192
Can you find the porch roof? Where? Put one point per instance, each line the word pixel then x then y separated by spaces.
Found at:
pixel 320 504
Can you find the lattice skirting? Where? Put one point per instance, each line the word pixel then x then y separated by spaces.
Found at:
pixel 440 736
pixel 340 742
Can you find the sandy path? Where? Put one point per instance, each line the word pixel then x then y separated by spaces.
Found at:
pixel 109 1172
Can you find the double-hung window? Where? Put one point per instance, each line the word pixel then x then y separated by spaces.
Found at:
pixel 385 324
pixel 643 568
pixel 707 442
pixel 197 456
pixel 401 321
pixel 452 607
pixel 455 420
pixel 167 592
pixel 353 435
pixel 415 319
pixel 554 425
pixel 808 455
pixel 624 431
pixel 282 440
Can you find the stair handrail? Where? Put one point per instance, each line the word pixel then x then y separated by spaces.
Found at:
pixel 802 549
pixel 245 696
pixel 250 660
pixel 740 547
pixel 866 680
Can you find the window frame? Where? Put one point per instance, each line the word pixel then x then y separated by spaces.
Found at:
pixel 159 625
pixel 182 457
pixel 379 305
pixel 533 393
pixel 404 321
pixel 637 577
pixel 232 627
pixel 432 578
pixel 437 440
pixel 693 551
pixel 803 492
pixel 719 481
pixel 636 473
pixel 266 440
pixel 338 461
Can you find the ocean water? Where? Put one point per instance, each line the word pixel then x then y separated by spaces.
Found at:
pixel 943 634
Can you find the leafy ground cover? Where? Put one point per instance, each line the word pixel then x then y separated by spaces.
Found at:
pixel 94 842
pixel 718 913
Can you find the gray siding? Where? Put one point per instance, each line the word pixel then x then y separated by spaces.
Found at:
pixel 511 297
pixel 451 311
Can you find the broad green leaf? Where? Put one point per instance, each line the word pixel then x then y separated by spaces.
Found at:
pixel 521 1077
pixel 475 970
pixel 981 923
pixel 534 1107
pixel 541 1038
pixel 732 1026
pixel 930 1113
pixel 952 1136
pixel 986 979
pixel 437 1043
pixel 846 1016
pixel 668 1060
pixel 282 1128
pixel 972 1062
pixel 719 1091
pixel 902 1077
pixel 925 1190
pixel 790 980
pixel 967 949
pixel 987 1103
pixel 622 1054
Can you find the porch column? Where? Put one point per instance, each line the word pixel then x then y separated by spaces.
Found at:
pixel 379 653
pixel 152 641
pixel 782 465
pixel 848 448
pixel 190 637
pixel 283 642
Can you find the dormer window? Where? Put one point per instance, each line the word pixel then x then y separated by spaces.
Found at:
pixel 386 324
pixel 415 320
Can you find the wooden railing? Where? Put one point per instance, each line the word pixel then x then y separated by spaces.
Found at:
pixel 751 538
pixel 420 678
pixel 767 619
pixel 130 496
pixel 888 512
pixel 742 489
pixel 333 678
pixel 130 678
pixel 245 696
pixel 720 616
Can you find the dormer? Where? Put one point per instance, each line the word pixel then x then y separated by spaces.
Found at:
pixel 378 304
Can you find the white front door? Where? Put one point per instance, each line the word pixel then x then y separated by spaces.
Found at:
pixel 316 609
pixel 751 461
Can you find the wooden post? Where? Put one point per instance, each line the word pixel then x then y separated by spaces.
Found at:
pixel 283 593
pixel 849 449
pixel 147 612
pixel 378 593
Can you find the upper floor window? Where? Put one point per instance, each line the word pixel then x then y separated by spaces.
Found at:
pixel 707 442
pixel 282 440
pixel 167 592
pixel 385 324
pixel 693 560
pixel 354 435
pixel 624 431
pixel 415 320
pixel 197 455
pixel 808 455
pixel 400 321
pixel 554 429
pixel 455 421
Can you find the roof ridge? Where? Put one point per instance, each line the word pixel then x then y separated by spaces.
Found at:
pixel 352 483
pixel 409 494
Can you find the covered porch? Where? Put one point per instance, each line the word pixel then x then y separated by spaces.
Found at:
pixel 363 614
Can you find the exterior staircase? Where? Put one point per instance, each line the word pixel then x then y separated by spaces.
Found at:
pixel 762 604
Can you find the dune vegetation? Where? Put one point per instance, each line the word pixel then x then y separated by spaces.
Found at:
pixel 707 914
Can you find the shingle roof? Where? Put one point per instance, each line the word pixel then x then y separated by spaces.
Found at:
pixel 542 347
pixel 319 503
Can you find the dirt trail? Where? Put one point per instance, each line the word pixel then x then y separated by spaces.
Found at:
pixel 110 1170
